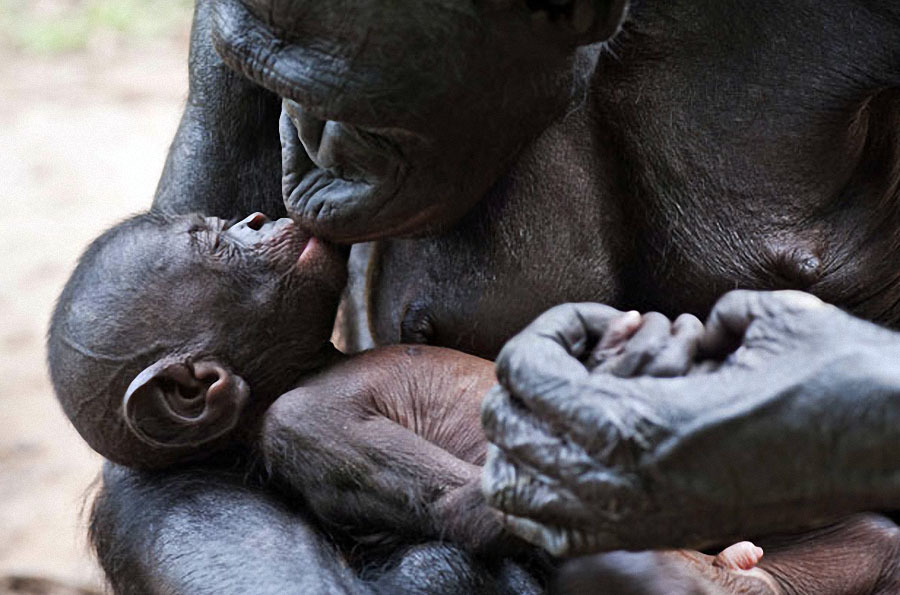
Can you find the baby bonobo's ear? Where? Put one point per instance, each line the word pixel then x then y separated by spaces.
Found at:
pixel 176 403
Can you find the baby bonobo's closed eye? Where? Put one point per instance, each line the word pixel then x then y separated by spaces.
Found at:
pixel 176 403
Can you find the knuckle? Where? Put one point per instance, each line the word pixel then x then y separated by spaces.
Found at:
pixel 688 324
pixel 498 480
pixel 493 402
pixel 666 369
pixel 798 300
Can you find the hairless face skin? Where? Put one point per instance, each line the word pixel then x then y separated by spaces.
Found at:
pixel 717 144
pixel 393 101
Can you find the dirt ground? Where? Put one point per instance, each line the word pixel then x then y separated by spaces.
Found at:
pixel 83 136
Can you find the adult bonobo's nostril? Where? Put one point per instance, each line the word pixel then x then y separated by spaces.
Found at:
pixel 255 221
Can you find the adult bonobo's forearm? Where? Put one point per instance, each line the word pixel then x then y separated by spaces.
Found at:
pixel 202 531
pixel 798 425
pixel 226 157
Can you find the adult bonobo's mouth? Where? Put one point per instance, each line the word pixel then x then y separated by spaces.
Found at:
pixel 335 173
pixel 342 168
pixel 402 114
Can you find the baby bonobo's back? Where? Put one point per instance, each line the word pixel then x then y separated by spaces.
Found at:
pixel 175 333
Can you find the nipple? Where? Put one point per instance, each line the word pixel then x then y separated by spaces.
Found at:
pixel 793 265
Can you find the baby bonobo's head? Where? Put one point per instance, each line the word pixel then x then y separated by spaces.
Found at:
pixel 175 333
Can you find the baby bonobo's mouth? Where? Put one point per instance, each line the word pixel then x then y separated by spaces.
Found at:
pixel 288 245
pixel 317 248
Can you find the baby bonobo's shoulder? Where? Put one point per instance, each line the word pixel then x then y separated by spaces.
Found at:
pixel 387 446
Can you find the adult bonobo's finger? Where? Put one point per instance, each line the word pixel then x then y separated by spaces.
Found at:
pixel 542 364
pixel 515 489
pixel 737 310
pixel 562 542
pixel 618 331
pixel 678 355
pixel 516 431
pixel 642 348
pixel 595 450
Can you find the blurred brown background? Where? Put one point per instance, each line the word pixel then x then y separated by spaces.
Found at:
pixel 90 96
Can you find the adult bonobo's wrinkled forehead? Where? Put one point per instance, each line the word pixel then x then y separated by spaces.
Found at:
pixel 404 112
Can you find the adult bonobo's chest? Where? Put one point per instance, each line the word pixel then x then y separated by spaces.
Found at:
pixel 547 233
pixel 722 145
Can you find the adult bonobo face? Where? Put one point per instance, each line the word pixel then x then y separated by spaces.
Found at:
pixel 404 113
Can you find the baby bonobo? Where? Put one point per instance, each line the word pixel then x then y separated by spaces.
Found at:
pixel 175 334
pixel 178 337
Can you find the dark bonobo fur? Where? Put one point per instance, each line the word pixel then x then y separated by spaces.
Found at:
pixel 717 144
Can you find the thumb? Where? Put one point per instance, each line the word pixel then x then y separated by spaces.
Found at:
pixel 737 310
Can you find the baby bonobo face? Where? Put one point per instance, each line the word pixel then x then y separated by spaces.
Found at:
pixel 253 304
pixel 258 241
pixel 266 284
pixel 176 331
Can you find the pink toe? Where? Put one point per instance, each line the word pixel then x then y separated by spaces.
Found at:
pixel 740 556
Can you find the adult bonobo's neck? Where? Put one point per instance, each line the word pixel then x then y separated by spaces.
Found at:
pixel 719 144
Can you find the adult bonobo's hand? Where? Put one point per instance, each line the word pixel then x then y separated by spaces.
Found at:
pixel 797 425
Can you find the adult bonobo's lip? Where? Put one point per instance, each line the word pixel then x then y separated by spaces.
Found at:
pixel 344 153
pixel 337 177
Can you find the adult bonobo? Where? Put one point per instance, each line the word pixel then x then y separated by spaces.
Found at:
pixel 718 144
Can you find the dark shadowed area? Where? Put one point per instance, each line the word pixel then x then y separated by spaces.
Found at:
pixel 90 95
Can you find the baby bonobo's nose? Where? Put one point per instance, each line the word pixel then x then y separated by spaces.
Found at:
pixel 255 221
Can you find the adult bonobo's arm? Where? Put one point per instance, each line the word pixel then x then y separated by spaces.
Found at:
pixel 205 531
pixel 147 528
pixel 226 157
pixel 798 425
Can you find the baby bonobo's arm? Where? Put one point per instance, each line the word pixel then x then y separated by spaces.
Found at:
pixel 388 445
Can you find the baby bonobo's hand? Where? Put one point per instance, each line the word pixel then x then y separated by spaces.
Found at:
pixel 387 445
pixel 648 345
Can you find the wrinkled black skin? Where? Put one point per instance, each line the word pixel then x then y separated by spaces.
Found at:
pixel 725 144
pixel 622 444
pixel 792 429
